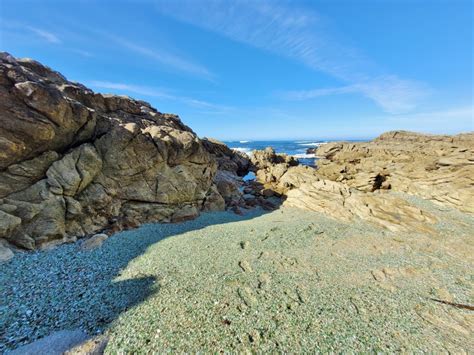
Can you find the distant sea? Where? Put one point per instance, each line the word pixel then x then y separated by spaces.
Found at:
pixel 295 148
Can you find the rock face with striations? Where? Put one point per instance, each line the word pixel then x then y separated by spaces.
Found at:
pixel 304 187
pixel 356 180
pixel 73 162
pixel 438 168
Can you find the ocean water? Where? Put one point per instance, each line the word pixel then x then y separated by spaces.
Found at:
pixel 295 148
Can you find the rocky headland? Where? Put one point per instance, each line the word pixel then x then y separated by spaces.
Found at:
pixel 360 180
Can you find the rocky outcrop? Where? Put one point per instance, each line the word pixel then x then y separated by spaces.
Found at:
pixel 269 167
pixel 303 187
pixel 438 168
pixel 73 162
pixel 343 203
pixel 228 159
pixel 355 180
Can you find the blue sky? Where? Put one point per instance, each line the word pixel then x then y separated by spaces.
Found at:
pixel 264 69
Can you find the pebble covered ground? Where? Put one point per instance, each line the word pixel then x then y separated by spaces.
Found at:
pixel 288 280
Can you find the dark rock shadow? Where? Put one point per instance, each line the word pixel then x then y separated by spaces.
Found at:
pixel 68 288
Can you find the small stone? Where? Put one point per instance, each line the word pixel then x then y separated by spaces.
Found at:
pixel 245 266
pixel 244 245
pixel 5 252
pixel 237 210
pixel 94 242
pixel 56 343
pixel 248 197
pixel 267 192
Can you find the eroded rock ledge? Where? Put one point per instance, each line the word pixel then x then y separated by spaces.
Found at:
pixel 73 162
pixel 437 168
pixel 355 180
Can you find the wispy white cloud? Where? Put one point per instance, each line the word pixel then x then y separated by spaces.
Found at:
pixel 158 93
pixel 48 36
pixel 392 94
pixel 294 32
pixel 163 57
pixel 82 52
pixel 458 116
pixel 449 120
pixel 95 36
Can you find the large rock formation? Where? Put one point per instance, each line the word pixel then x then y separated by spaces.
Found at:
pixel 354 180
pixel 73 162
pixel 305 187
pixel 438 168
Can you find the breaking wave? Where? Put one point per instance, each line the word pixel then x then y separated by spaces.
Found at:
pixel 313 144
pixel 244 150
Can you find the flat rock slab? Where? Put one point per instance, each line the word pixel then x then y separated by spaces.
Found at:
pixel 56 343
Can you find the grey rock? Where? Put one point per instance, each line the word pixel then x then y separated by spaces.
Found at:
pixel 56 343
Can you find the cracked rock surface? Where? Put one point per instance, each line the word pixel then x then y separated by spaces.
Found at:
pixel 360 180
pixel 437 168
pixel 73 162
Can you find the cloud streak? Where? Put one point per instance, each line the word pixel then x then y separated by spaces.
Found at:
pixel 158 93
pixel 393 95
pixel 286 30
pixel 48 36
pixel 96 37
pixel 163 57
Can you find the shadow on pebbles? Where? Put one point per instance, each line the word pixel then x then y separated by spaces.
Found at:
pixel 288 280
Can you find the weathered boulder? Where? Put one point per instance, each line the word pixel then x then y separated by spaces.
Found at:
pixel 228 185
pixel 73 162
pixel 269 166
pixel 438 168
pixel 214 200
pixel 227 159
pixel 342 203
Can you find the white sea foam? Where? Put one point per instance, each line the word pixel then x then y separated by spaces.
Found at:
pixel 244 150
pixel 313 144
pixel 304 156
pixel 244 141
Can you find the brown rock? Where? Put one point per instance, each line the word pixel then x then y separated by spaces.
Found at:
pixel 72 160
pixel 438 168
pixel 227 159
pixel 213 201
pixel 228 185
pixel 185 214
pixel 270 166
pixel 304 187
pixel 267 192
